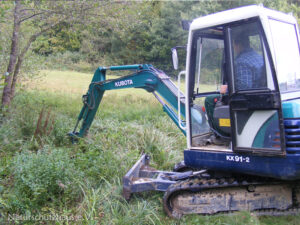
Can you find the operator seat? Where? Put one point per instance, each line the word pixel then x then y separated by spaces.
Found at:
pixel 218 115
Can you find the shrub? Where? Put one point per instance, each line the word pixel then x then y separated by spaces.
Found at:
pixel 69 61
pixel 44 177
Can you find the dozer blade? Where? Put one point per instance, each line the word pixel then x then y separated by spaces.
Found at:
pixel 141 177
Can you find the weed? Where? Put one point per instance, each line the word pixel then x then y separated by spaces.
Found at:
pixel 106 205
pixel 45 125
pixel 43 178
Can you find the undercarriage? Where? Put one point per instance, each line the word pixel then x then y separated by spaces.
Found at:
pixel 228 195
pixel 207 193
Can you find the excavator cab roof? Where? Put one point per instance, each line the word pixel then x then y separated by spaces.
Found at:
pixel 242 13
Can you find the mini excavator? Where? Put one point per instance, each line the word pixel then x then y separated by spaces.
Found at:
pixel 243 145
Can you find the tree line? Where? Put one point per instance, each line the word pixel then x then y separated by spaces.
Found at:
pixel 115 32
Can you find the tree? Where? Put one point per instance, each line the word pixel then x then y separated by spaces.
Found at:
pixel 59 39
pixel 114 37
pixel 40 16
pixel 151 40
pixel 34 18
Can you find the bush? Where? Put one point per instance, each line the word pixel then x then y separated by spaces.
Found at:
pixel 44 177
pixel 69 61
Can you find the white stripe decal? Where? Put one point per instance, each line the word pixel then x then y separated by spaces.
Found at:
pixel 251 128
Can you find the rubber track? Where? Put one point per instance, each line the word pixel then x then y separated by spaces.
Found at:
pixel 202 184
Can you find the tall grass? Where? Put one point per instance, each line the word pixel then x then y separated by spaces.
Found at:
pixel 48 175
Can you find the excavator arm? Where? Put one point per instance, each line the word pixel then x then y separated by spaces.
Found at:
pixel 145 77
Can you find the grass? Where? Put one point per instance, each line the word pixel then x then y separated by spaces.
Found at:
pixel 88 184
pixel 76 84
pixel 65 82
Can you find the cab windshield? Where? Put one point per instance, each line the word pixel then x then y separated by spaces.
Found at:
pixel 287 56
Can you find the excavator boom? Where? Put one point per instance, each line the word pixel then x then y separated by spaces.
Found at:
pixel 143 76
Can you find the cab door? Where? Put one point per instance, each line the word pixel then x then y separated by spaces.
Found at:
pixel 254 98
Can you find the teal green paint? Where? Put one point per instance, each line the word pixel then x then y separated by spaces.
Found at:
pixel 127 67
pixel 170 98
pixel 99 75
pixel 148 81
pixel 260 136
pixel 145 78
pixel 93 98
pixel 174 117
pixel 291 109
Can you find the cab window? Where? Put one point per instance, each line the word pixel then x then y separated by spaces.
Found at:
pixel 248 57
pixel 287 56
